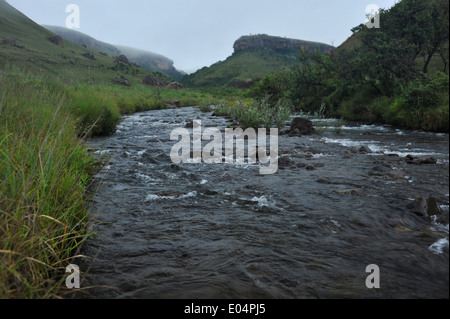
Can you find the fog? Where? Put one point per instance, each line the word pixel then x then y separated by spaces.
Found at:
pixel 198 33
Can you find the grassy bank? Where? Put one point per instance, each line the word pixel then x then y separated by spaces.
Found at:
pixel 44 173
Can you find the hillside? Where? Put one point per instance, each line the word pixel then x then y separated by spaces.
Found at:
pixel 253 58
pixel 31 47
pixel 84 40
pixel 149 61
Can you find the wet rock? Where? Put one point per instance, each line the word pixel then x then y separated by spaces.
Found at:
pixel 284 131
pixel 425 206
pixel 348 192
pixel 174 168
pixel 365 150
pixel 354 150
pixel 295 132
pixel 284 162
pixel 311 168
pixel 420 160
pixel 304 126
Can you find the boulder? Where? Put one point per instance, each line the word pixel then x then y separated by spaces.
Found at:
pixel 365 150
pixel 89 56
pixel 425 206
pixel 295 132
pixel 122 59
pixel 175 86
pixel 122 81
pixel 10 42
pixel 56 40
pixel 152 81
pixel 303 125
pixel 420 160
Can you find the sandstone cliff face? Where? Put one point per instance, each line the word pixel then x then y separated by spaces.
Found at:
pixel 277 44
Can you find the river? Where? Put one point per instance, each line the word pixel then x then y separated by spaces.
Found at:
pixel 169 230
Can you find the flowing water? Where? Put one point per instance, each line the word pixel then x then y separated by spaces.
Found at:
pixel 309 231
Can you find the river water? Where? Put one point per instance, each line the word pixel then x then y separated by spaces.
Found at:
pixel 309 231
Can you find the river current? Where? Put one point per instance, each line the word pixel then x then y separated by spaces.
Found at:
pixel 168 230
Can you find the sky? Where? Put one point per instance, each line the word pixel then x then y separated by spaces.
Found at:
pixel 198 33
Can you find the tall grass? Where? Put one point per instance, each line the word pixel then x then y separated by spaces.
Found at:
pixel 256 113
pixel 44 174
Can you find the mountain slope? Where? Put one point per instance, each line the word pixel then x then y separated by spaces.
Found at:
pixel 31 47
pixel 152 61
pixel 253 58
pixel 149 61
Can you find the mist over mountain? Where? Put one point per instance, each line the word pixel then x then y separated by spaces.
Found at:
pixel 151 61
pixel 84 40
pixel 147 60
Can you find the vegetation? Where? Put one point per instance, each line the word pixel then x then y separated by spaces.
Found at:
pixel 31 48
pixel 397 74
pixel 256 113
pixel 45 171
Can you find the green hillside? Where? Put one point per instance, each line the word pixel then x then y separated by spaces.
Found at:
pixel 31 47
pixel 253 58
pixel 149 61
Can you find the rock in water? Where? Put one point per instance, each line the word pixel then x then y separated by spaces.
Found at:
pixel 426 207
pixel 420 160
pixel 304 126
pixel 365 150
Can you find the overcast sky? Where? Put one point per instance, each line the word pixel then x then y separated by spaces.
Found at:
pixel 198 33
